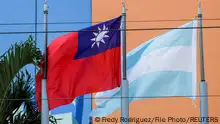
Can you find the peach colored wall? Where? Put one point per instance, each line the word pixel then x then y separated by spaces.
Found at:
pixel 162 10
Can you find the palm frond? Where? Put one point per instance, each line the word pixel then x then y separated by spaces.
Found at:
pixel 17 84
pixel 23 90
pixel 19 55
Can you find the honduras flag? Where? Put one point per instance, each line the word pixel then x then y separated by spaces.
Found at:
pixel 164 66
pixel 66 114
pixel 76 112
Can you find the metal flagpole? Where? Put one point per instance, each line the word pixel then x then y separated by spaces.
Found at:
pixel 35 69
pixel 124 84
pixel 44 108
pixel 203 84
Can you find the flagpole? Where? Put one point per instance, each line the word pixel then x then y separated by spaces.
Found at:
pixel 44 108
pixel 203 84
pixel 124 84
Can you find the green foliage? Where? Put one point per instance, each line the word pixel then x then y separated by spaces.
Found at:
pixel 19 55
pixel 16 86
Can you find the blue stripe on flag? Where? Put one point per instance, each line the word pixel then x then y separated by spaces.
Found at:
pixel 171 83
pixel 64 109
pixel 161 41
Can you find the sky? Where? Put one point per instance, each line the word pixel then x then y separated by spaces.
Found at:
pixel 23 11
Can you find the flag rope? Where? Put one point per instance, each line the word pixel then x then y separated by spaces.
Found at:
pixel 198 96
pixel 130 21
pixel 131 29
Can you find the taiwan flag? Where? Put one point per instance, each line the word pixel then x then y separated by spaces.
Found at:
pixel 82 62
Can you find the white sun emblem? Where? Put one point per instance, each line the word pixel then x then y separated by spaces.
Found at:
pixel 99 37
